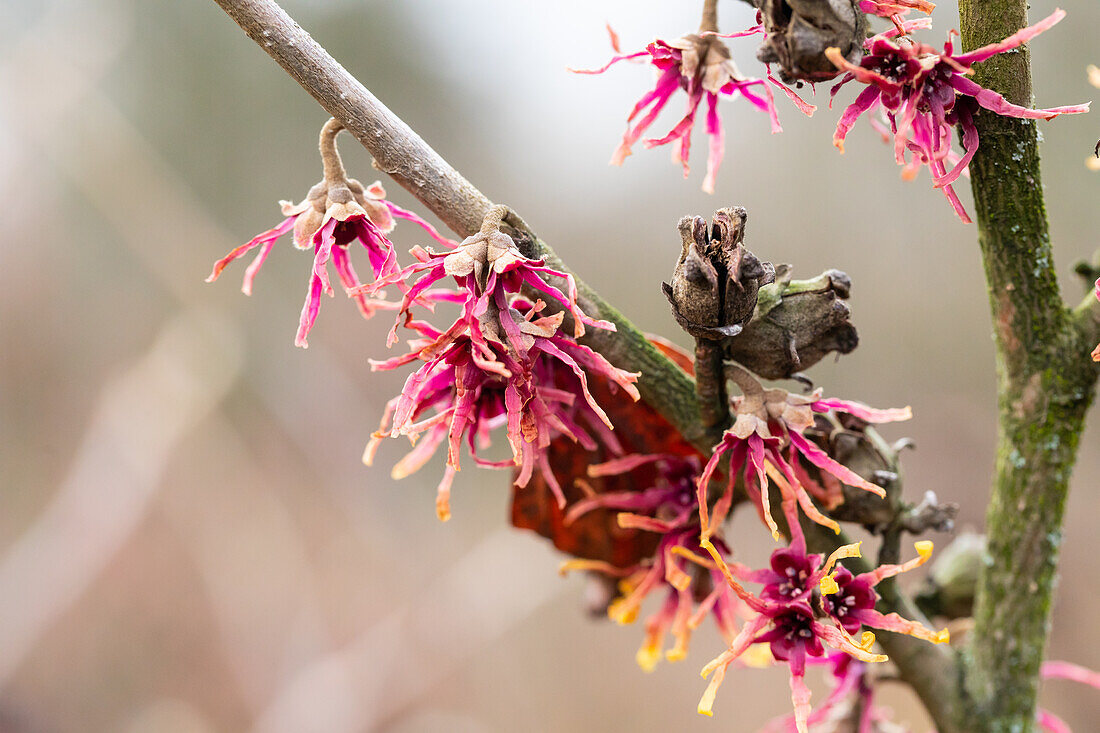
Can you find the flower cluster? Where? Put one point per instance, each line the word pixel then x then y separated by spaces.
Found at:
pixel 922 92
pixel 808 603
pixel 767 439
pixel 337 212
pixel 694 585
pixel 925 93
pixel 503 362
pixel 699 64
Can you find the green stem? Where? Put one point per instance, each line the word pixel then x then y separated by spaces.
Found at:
pixel 1045 385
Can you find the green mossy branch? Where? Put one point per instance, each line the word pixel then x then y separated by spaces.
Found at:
pixel 1045 386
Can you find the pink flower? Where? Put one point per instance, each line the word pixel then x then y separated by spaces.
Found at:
pixel 694 585
pixel 339 223
pixel 667 505
pixel 691 595
pixel 925 93
pixel 793 636
pixel 501 363
pixel 798 618
pixel 701 66
pixel 337 212
pixel 768 423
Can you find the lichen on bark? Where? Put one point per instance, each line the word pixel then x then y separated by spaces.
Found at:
pixel 1045 386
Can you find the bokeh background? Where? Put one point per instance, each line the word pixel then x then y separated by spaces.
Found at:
pixel 188 541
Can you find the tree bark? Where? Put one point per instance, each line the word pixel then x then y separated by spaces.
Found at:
pixel 1045 385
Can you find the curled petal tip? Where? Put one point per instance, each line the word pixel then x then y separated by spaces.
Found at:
pixel 943 636
pixel 647 658
pixel 924 549
pixel 620 614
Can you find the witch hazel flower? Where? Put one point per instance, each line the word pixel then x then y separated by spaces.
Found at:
pixel 925 93
pixel 794 635
pixel 767 439
pixel 700 65
pixel 667 505
pixel 501 363
pixel 693 589
pixel 464 395
pixel 693 584
pixel 337 212
pixel 796 617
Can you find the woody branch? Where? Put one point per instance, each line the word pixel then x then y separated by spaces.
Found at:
pixel 1046 383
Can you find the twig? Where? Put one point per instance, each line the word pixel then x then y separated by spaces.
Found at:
pixel 710 386
pixel 709 22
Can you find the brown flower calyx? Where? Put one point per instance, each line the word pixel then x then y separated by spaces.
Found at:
pixel 491 250
pixel 716 281
pixel 799 31
pixel 705 62
pixel 336 196
pixel 796 323
pixel 756 407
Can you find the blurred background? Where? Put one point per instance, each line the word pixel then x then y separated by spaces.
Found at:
pixel 188 540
